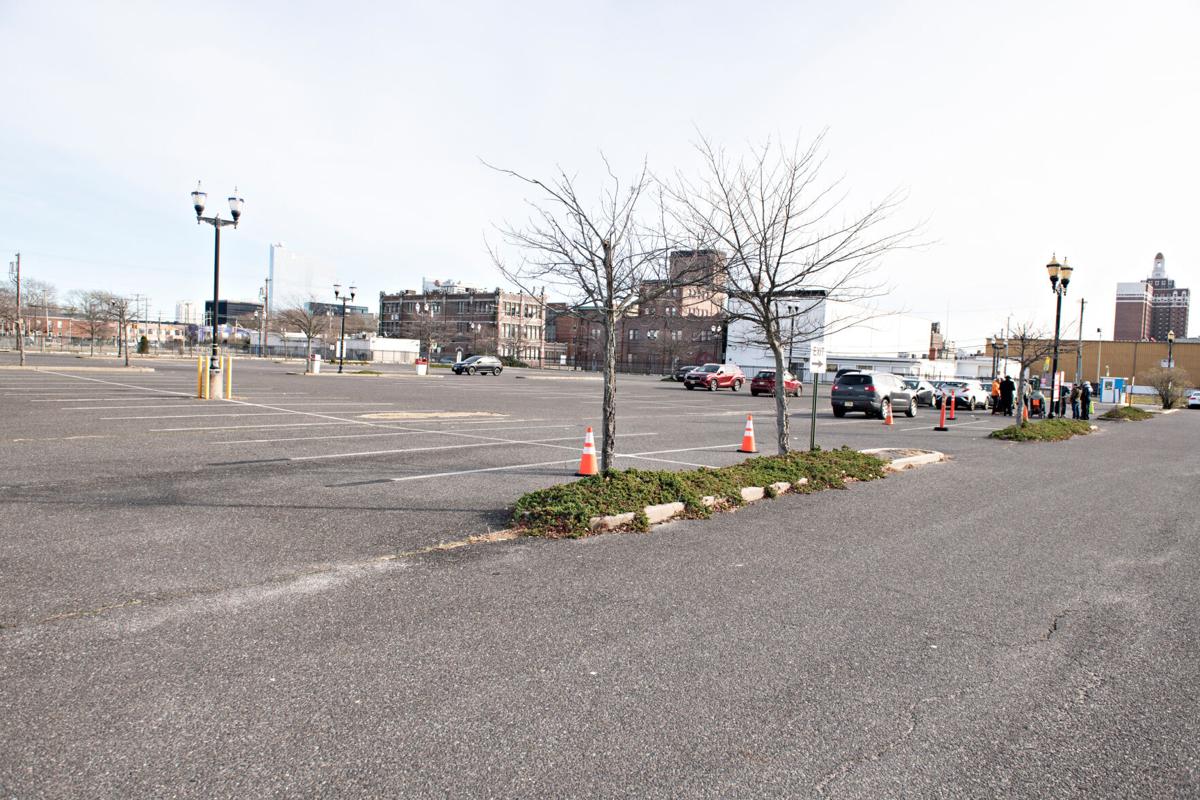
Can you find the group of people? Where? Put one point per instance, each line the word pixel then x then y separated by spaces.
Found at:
pixel 1004 392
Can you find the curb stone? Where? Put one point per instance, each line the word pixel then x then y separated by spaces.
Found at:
pixel 662 513
pixel 908 462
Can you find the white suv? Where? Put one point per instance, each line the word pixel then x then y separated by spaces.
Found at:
pixel 1194 399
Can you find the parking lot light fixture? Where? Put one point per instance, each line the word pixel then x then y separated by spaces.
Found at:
pixel 345 297
pixel 199 198
pixel 1060 278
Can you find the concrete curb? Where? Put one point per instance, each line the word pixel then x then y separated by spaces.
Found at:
pixel 72 368
pixel 908 462
pixel 553 378
pixel 353 375
pixel 666 511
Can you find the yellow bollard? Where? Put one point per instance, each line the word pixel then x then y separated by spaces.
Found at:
pixel 200 378
pixel 204 381
pixel 228 377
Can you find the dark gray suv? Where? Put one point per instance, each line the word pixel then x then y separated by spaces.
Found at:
pixel 872 393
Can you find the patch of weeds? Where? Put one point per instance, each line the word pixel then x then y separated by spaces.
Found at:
pixel 367 372
pixel 1046 430
pixel 565 510
pixel 1126 413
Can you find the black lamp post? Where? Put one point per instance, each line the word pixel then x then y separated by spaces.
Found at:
pixel 718 332
pixel 1060 277
pixel 1170 348
pixel 345 298
pixel 235 211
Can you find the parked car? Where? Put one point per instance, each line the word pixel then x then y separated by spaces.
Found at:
pixel 715 376
pixel 873 393
pixel 446 360
pixel 1194 399
pixel 923 390
pixel 682 372
pixel 764 383
pixel 967 394
pixel 478 364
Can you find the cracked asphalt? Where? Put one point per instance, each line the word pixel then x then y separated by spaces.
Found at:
pixel 1018 622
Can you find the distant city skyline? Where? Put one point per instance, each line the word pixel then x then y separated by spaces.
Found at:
pixel 357 139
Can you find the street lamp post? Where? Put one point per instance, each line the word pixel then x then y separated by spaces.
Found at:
pixel 345 298
pixel 1060 277
pixel 1099 348
pixel 235 212
pixel 718 329
pixel 1170 348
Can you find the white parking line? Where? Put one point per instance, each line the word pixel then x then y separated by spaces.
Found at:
pixel 247 427
pixel 198 416
pixel 549 463
pixel 496 443
pixel 370 435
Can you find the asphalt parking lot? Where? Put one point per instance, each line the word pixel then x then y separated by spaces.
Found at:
pixel 194 605
pixel 330 468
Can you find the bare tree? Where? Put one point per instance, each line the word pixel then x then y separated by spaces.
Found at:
pixel 1170 384
pixel 430 328
pixel 120 310
pixel 301 318
pixel 605 254
pixel 790 247
pixel 38 296
pixel 91 309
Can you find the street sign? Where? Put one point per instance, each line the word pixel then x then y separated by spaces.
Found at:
pixel 816 358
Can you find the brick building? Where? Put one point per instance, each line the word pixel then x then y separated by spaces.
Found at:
pixel 1149 309
pixel 455 319
pixel 680 320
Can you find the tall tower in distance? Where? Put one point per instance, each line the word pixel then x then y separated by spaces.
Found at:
pixel 1151 308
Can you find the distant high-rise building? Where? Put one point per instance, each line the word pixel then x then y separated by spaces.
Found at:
pixel 1152 308
pixel 188 312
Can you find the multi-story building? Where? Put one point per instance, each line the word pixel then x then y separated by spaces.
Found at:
pixel 230 312
pixel 467 320
pixel 1152 308
pixel 679 320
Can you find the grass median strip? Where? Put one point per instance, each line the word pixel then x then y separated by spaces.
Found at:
pixel 567 510
pixel 1046 430
pixel 1126 413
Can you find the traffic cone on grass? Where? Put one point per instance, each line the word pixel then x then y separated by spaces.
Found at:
pixel 587 462
pixel 1024 413
pixel 748 437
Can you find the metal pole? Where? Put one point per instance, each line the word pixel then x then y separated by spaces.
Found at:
pixel 812 428
pixel 1079 352
pixel 20 327
pixel 215 363
pixel 1054 399
pixel 1099 345
pixel 342 339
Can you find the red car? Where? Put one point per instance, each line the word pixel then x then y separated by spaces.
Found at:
pixel 715 376
pixel 764 383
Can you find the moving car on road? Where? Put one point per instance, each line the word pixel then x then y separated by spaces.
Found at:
pixel 923 390
pixel 764 383
pixel 715 376
pixel 967 394
pixel 478 364
pixel 874 393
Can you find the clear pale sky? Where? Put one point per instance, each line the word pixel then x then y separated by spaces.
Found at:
pixel 355 132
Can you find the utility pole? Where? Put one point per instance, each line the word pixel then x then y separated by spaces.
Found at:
pixel 20 327
pixel 1079 346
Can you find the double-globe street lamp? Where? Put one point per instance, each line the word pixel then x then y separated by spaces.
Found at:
pixel 1060 277
pixel 345 297
pixel 199 197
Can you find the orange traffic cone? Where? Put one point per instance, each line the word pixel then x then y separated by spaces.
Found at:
pixel 587 462
pixel 748 437
pixel 888 419
pixel 1024 413
pixel 953 403
pixel 941 426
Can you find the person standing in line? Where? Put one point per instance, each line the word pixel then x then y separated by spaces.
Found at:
pixel 1007 388
pixel 1085 401
pixel 995 394
pixel 1075 401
